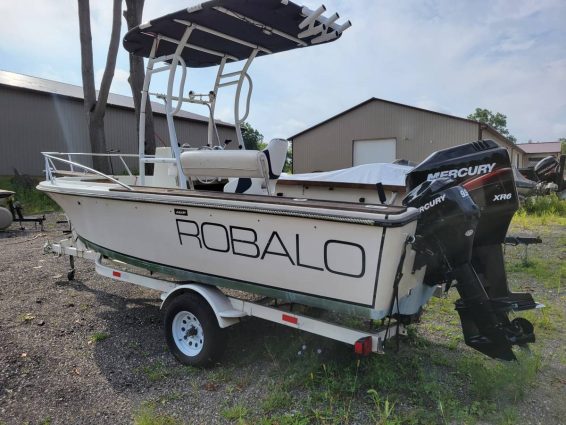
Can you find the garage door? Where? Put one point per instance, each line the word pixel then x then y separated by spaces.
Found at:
pixel 370 151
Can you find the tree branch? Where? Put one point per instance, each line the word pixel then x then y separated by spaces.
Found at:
pixel 110 58
pixel 89 90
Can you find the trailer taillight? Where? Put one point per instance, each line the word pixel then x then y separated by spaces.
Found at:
pixel 363 346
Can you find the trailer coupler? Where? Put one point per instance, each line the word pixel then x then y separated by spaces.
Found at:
pixel 485 322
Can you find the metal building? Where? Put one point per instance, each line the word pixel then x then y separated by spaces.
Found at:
pixel 534 152
pixel 379 130
pixel 38 115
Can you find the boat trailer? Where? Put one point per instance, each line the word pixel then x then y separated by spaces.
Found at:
pixel 219 310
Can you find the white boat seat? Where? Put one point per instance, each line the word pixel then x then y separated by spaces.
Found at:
pixel 164 175
pixel 276 154
pixel 225 163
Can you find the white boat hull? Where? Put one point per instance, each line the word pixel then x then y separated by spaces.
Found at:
pixel 348 264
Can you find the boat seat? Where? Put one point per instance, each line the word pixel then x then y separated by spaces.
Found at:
pixel 276 154
pixel 225 163
pixel 164 175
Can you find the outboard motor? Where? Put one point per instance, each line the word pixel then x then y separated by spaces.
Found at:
pixel 546 170
pixel 467 197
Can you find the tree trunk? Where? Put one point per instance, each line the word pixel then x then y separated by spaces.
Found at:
pixel 133 16
pixel 95 109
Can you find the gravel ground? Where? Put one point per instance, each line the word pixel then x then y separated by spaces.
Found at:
pixel 51 370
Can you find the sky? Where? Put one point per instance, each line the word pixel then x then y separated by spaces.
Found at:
pixel 449 56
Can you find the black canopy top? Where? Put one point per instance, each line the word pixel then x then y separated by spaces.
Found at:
pixel 271 25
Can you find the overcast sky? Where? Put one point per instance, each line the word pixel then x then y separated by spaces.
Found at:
pixel 445 55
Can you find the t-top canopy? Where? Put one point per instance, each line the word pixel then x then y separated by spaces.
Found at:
pixel 233 29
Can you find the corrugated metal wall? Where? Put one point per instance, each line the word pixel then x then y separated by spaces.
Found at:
pixel 32 122
pixel 418 134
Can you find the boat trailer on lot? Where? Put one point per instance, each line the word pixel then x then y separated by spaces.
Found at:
pixel 219 310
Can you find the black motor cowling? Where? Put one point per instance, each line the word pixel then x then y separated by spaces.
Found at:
pixel 467 197
pixel 546 170
pixel 445 230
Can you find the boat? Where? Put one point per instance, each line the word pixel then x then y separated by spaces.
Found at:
pixel 6 217
pixel 374 258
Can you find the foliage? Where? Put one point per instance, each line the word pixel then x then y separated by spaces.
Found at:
pixel 562 141
pixel 545 205
pixel 98 337
pixel 253 139
pixel 148 416
pixel 237 412
pixel 288 167
pixel 156 371
pixel 502 381
pixel 32 200
pixel 497 120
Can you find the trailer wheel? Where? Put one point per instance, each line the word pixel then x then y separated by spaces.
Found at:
pixel 192 331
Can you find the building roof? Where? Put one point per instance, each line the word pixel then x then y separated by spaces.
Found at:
pixel 375 99
pixel 548 147
pixel 26 82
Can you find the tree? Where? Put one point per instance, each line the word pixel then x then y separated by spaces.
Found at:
pixel 253 139
pixel 133 16
pixel 95 108
pixel 496 120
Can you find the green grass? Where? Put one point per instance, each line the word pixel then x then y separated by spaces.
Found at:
pixel 278 398
pixel 548 272
pixel 147 415
pixel 157 371
pixel 286 419
pixel 235 413
pixel 32 200
pixel 502 382
pixel 98 337
pixel 548 205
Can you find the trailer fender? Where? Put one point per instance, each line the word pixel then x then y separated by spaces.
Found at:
pixel 220 304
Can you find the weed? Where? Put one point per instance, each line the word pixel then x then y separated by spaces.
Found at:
pixel 27 318
pixel 547 271
pixel 32 200
pixel 509 416
pixel 276 399
pixel 383 410
pixel 147 415
pixel 156 371
pixel 221 375
pixel 545 206
pixel 236 412
pixel 535 222
pixel 502 381
pixel 295 419
pixel 46 421
pixel 98 337
pixel 167 398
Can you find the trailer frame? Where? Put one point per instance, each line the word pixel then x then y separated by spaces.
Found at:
pixel 228 310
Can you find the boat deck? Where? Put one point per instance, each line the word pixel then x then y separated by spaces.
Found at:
pixel 272 200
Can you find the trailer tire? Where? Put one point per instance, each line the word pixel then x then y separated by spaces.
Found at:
pixel 191 330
